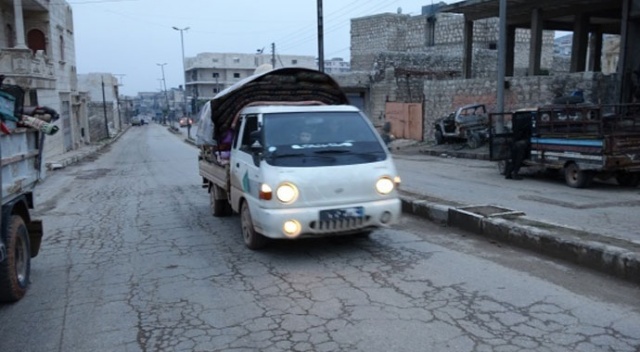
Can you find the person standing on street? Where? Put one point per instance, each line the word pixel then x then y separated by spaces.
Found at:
pixel 519 145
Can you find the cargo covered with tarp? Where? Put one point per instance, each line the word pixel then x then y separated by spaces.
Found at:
pixel 284 85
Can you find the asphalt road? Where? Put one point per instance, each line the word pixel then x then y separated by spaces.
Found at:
pixel 132 260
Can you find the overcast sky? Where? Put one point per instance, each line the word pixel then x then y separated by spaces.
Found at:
pixel 130 37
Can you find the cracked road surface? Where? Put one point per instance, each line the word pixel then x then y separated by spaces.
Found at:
pixel 132 260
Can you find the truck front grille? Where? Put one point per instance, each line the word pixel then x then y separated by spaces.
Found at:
pixel 332 226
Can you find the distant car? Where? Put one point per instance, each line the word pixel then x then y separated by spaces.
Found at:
pixel 136 121
pixel 185 121
pixel 469 122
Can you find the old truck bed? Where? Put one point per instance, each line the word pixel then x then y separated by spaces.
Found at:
pixel 21 162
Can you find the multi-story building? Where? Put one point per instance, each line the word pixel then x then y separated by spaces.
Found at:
pixel 336 65
pixel 37 52
pixel 209 73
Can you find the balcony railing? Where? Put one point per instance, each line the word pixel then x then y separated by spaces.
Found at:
pixel 21 64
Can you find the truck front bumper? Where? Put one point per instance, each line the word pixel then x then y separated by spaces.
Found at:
pixel 375 214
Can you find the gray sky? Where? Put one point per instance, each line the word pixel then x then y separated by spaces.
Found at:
pixel 130 37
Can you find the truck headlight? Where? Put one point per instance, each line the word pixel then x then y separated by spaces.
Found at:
pixel 384 185
pixel 287 193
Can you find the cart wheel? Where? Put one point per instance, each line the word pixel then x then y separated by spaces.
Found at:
pixel 16 269
pixel 576 178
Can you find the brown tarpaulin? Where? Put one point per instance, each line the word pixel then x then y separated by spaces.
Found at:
pixel 279 85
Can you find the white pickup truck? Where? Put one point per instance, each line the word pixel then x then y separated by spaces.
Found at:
pixel 296 161
pixel 21 142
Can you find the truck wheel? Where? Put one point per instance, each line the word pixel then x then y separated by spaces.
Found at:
pixel 576 178
pixel 15 270
pixel 219 207
pixel 439 136
pixel 474 140
pixel 628 179
pixel 252 239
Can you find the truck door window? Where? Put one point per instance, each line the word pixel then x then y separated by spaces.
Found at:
pixel 250 125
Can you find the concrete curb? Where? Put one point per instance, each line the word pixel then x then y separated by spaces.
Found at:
pixel 614 257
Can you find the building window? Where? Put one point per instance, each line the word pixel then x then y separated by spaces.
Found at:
pixel 214 60
pixel 236 60
pixel 294 62
pixel 36 41
pixel 215 90
pixel 493 46
pixel 216 75
pixel 236 75
pixel 61 48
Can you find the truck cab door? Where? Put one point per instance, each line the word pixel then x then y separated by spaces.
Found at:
pixel 245 176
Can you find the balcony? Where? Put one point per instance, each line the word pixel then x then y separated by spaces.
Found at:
pixel 21 67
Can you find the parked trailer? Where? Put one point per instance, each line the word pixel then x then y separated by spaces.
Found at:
pixel 583 141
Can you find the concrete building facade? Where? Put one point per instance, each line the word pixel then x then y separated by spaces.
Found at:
pixel 37 52
pixel 209 73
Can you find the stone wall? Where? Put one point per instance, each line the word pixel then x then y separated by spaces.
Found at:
pixel 443 97
pixel 97 129
pixel 442 34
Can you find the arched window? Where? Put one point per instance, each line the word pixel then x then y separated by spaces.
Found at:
pixel 36 40
pixel 11 36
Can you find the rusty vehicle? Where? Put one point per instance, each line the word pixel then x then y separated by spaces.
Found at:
pixel 583 142
pixel 468 123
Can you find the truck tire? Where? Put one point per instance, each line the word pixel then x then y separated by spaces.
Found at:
pixel 474 140
pixel 252 239
pixel 16 269
pixel 439 136
pixel 628 179
pixel 576 178
pixel 219 207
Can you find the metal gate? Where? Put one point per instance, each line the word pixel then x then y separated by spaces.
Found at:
pixel 406 120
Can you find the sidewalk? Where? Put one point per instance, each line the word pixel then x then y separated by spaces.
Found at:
pixel 612 256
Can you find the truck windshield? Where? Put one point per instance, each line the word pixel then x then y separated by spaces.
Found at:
pixel 310 139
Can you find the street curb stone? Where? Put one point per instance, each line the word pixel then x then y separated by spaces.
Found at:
pixel 555 241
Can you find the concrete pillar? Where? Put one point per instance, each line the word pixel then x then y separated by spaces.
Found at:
pixel 580 43
pixel 511 51
pixel 629 63
pixel 595 51
pixel 535 49
pixel 467 55
pixel 19 23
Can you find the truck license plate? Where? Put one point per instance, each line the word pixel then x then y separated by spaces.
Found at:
pixel 344 213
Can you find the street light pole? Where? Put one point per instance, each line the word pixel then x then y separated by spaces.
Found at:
pixel 184 72
pixel 164 85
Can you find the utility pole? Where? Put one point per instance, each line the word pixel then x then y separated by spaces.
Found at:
pixel 104 108
pixel 320 38
pixel 119 84
pixel 164 85
pixel 273 55
pixel 184 72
